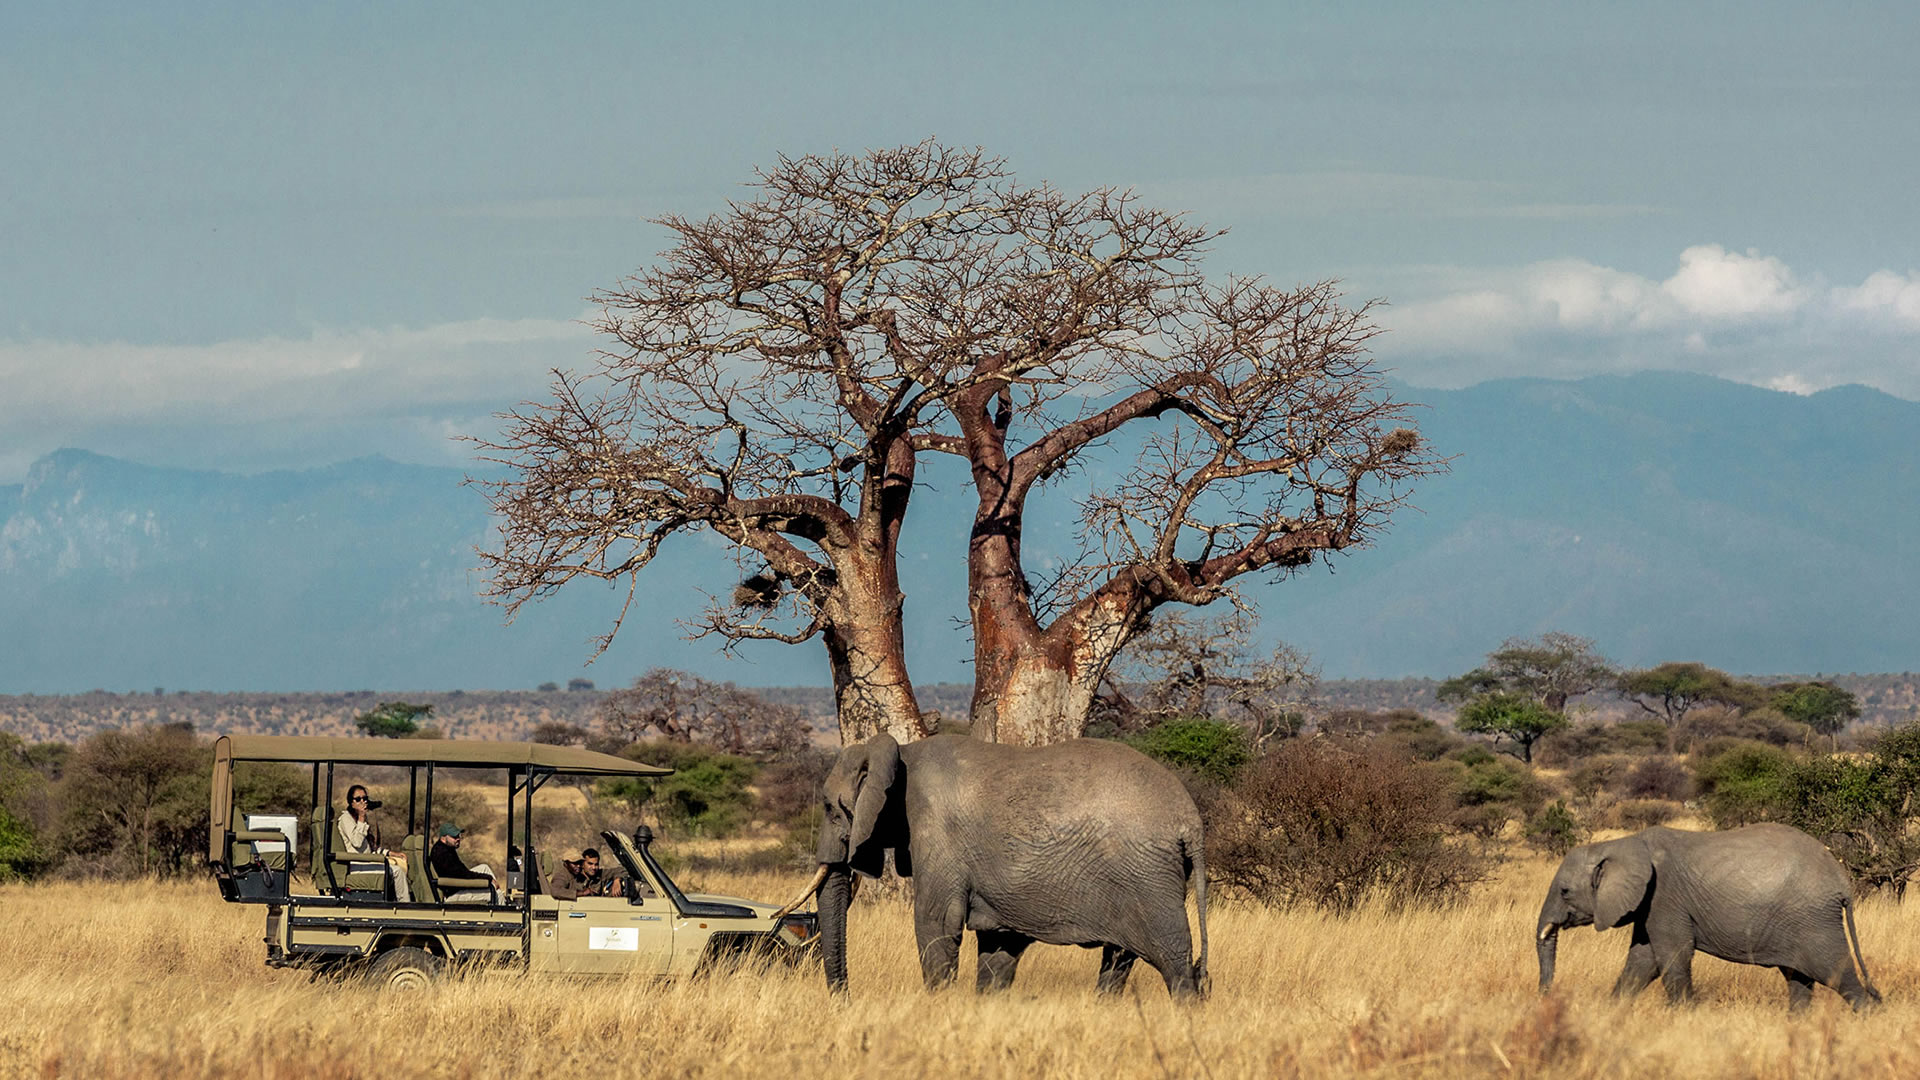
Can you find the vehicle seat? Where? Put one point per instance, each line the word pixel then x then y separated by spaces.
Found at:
pixel 428 885
pixel 243 851
pixel 415 849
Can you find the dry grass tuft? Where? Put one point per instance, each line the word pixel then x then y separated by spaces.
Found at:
pixel 164 979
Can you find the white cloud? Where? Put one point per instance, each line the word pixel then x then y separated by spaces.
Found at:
pixel 1885 293
pixel 1721 284
pixel 1744 316
pixel 336 393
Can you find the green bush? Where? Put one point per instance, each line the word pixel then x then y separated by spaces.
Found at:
pixel 707 795
pixel 1213 750
pixel 21 855
pixel 1554 829
pixel 1493 780
pixel 1744 782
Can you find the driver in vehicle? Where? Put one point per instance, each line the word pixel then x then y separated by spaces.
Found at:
pixel 581 877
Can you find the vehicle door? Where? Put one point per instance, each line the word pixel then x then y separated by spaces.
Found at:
pixel 601 935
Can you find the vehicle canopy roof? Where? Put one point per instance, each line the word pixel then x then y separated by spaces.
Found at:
pixel 460 753
pixel 457 753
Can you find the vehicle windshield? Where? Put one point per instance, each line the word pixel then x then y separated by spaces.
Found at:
pixel 632 855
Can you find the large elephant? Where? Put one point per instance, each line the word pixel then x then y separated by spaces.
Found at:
pixel 1085 842
pixel 1762 894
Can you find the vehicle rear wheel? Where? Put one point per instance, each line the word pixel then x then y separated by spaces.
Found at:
pixel 405 968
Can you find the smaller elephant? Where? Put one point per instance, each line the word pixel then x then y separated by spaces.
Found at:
pixel 1761 894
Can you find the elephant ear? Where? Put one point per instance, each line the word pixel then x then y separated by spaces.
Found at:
pixel 883 768
pixel 1620 883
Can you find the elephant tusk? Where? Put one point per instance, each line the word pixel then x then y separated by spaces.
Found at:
pixel 1547 931
pixel 813 886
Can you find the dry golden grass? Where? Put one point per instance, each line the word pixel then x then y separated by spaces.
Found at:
pixel 165 980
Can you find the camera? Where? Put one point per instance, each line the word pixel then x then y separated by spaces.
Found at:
pixel 373 804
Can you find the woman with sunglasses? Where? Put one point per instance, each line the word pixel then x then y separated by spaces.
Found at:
pixel 361 835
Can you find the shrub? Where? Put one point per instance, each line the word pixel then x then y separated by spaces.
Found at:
pixel 20 852
pixel 789 787
pixel 1491 780
pixel 1604 773
pixel 707 795
pixel 1765 725
pixel 1637 814
pixel 1554 829
pixel 1744 782
pixel 1593 740
pixel 1422 738
pixel 1658 778
pixel 1213 750
pixel 1863 809
pixel 1330 823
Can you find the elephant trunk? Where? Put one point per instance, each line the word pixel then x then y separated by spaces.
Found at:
pixel 836 895
pixel 1547 943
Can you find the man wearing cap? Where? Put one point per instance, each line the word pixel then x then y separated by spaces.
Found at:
pixel 579 877
pixel 446 863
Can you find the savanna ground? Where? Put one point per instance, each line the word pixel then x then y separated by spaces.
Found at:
pixel 163 979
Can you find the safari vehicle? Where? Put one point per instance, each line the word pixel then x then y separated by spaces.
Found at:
pixel 345 918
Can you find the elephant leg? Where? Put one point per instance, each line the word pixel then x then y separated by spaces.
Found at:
pixel 999 955
pixel 937 925
pixel 1640 969
pixel 1169 950
pixel 1799 989
pixel 1116 964
pixel 1672 941
pixel 1676 975
pixel 1858 994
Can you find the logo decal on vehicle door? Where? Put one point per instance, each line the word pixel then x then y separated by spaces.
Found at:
pixel 622 938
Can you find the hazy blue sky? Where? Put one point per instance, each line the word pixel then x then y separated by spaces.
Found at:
pixel 263 234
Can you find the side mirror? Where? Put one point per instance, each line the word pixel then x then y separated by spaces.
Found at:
pixel 631 891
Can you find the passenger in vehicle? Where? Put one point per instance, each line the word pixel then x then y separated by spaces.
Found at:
pixel 446 862
pixel 360 835
pixel 580 877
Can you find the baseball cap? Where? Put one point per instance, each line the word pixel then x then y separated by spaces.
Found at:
pixel 450 829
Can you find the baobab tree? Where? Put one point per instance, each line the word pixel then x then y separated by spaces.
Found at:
pixel 781 373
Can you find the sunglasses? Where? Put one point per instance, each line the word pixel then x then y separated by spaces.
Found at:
pixel 359 798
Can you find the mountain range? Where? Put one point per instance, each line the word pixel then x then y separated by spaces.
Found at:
pixel 1665 516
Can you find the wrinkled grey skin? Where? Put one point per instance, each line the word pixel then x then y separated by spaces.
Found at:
pixel 1086 842
pixel 1762 894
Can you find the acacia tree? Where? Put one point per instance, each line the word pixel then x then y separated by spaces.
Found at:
pixel 1549 669
pixel 1677 687
pixel 777 377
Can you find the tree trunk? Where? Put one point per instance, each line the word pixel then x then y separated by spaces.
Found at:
pixel 1035 689
pixel 866 649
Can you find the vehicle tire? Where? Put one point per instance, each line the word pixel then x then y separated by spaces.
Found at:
pixel 405 968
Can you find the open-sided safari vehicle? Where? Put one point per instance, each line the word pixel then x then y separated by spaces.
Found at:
pixel 344 915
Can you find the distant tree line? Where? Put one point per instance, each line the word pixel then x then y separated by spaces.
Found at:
pixel 1337 805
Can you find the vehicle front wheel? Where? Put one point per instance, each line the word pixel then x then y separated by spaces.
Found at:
pixel 405 968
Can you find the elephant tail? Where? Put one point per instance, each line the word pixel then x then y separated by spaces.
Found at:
pixel 1196 858
pixel 1853 938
